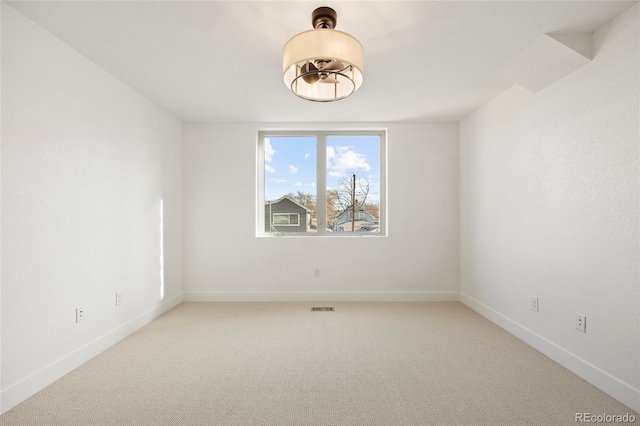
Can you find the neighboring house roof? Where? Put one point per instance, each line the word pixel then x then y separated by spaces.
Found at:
pixel 290 199
pixel 342 217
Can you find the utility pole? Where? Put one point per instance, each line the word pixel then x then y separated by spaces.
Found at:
pixel 353 205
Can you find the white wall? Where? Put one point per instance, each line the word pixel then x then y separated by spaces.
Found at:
pixel 549 208
pixel 224 260
pixel 85 162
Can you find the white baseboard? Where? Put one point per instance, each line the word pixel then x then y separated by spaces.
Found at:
pixel 612 386
pixel 34 383
pixel 317 296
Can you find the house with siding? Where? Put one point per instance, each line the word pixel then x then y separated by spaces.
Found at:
pixel 343 221
pixel 286 215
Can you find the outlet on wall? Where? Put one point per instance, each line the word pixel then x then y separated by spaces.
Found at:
pixel 534 304
pixel 118 298
pixel 316 273
pixel 79 314
pixel 581 323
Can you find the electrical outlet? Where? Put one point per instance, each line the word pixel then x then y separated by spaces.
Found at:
pixel 118 299
pixel 79 314
pixel 316 273
pixel 581 323
pixel 534 304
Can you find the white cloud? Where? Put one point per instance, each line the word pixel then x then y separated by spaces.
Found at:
pixel 351 160
pixel 293 169
pixel 269 168
pixel 298 183
pixel 278 180
pixel 341 159
pixel 268 150
pixel 331 153
pixel 307 155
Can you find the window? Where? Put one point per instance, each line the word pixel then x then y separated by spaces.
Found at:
pixel 286 219
pixel 321 183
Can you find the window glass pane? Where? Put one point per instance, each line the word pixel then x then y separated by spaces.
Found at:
pixel 280 219
pixel 353 183
pixel 290 188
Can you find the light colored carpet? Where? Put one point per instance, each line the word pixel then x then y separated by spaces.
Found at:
pixel 281 364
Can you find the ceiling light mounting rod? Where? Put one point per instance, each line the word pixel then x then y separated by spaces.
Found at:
pixel 324 18
pixel 323 64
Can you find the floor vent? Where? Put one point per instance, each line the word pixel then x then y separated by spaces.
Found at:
pixel 322 309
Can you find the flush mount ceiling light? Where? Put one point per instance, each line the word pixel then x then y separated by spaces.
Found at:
pixel 323 64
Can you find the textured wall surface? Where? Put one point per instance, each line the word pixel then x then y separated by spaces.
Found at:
pixel 550 205
pixel 222 253
pixel 85 163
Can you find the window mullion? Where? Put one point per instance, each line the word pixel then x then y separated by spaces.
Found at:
pixel 260 185
pixel 382 212
pixel 321 195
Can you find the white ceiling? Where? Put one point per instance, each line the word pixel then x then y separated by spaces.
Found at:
pixel 222 60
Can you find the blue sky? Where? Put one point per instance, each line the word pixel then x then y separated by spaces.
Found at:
pixel 291 161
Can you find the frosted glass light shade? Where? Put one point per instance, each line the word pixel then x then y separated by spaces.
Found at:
pixel 323 45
